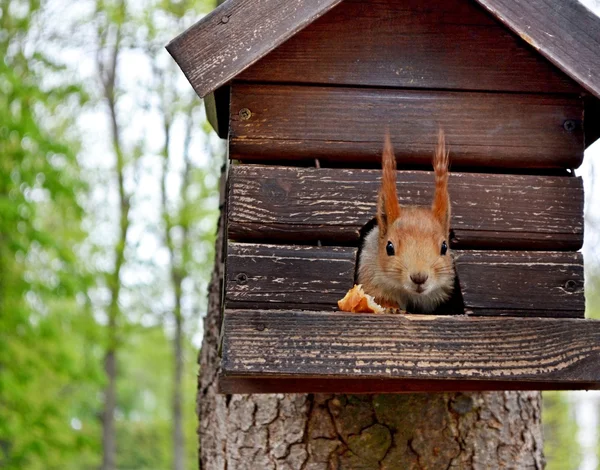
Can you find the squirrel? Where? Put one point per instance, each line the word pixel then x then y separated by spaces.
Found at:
pixel 405 260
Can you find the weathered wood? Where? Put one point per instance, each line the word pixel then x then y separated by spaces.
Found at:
pixel 332 205
pixel 369 350
pixel 238 33
pixel 453 44
pixel 564 31
pixel 273 276
pixel 217 110
pixel 542 284
pixel 499 282
pixel 348 124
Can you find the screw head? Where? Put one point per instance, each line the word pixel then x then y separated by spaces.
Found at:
pixel 570 285
pixel 225 19
pixel 245 114
pixel 260 327
pixel 570 125
pixel 241 279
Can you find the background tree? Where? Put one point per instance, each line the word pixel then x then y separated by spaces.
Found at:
pixel 60 237
pixel 562 449
pixel 181 214
pixel 109 36
pixel 183 221
pixel 42 281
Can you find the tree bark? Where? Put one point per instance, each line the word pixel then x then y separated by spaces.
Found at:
pixel 358 432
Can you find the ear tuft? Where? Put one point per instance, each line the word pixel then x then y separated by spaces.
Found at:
pixel 441 199
pixel 388 208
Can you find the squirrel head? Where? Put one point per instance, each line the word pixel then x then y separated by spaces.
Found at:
pixel 413 245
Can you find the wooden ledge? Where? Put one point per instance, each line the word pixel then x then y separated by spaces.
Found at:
pixel 298 351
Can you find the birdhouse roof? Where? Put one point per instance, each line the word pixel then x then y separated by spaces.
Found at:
pixel 240 32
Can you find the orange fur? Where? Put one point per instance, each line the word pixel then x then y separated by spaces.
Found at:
pixel 416 234
pixel 388 208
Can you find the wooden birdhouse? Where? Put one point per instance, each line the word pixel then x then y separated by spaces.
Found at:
pixel 303 92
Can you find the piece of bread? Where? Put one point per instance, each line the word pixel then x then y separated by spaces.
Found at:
pixel 357 301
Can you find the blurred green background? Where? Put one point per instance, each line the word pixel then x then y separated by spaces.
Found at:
pixel 108 207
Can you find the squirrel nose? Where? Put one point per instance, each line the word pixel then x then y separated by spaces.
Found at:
pixel 419 278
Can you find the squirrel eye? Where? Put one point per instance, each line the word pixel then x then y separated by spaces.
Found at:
pixel 389 248
pixel 444 248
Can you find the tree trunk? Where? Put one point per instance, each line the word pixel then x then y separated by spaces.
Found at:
pixel 177 274
pixel 109 449
pixel 109 441
pixel 178 440
pixel 108 76
pixel 359 432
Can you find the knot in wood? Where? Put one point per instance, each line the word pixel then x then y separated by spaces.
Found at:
pixel 245 114
pixel 570 125
pixel 462 404
pixel 241 279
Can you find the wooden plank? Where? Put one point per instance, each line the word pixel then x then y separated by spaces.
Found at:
pixel 564 31
pixel 272 276
pixel 514 283
pixel 453 44
pixel 347 125
pixel 498 282
pixel 332 205
pixel 238 33
pixel 371 352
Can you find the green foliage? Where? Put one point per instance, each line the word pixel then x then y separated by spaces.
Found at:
pixel 144 390
pixel 561 448
pixel 51 346
pixel 43 378
pixel 184 224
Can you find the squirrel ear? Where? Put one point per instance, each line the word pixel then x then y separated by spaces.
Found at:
pixel 441 199
pixel 388 208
